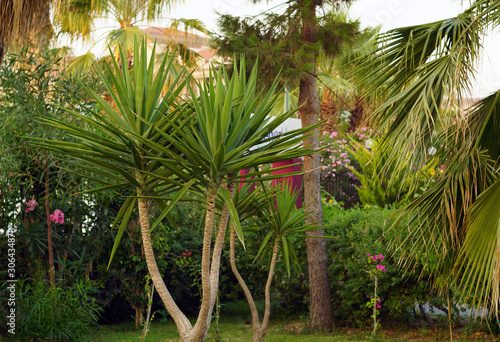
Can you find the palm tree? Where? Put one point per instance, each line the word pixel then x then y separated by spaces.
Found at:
pixel 76 18
pixel 19 19
pixel 455 227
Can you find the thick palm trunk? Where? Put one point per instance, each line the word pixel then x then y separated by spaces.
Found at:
pixel 182 322
pixel 327 112
pixel 321 312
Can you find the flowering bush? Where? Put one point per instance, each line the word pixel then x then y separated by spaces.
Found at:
pixel 336 161
pixel 375 302
pixel 360 243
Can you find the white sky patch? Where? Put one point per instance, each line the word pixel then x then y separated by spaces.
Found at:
pixel 389 14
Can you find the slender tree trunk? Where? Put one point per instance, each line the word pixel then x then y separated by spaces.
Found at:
pixel 211 265
pixel 253 309
pixel 374 315
pixel 49 225
pixel 267 312
pixel 449 314
pixel 200 330
pixel 321 312
pixel 181 321
pixel 219 242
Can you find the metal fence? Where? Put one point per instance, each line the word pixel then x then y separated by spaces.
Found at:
pixel 342 187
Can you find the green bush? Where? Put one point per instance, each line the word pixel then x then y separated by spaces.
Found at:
pixel 383 181
pixel 356 233
pixel 351 235
pixel 55 313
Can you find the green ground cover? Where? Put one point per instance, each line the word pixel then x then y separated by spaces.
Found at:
pixel 237 331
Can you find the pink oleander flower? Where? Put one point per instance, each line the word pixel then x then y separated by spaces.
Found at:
pixel 31 205
pixel 57 216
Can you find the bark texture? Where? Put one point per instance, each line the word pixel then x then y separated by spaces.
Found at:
pixel 253 309
pixel 210 265
pixel 327 112
pixel 181 321
pixel 259 330
pixel 321 312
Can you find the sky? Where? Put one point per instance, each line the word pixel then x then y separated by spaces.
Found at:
pixel 387 13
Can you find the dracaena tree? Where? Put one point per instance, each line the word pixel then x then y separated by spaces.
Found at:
pixel 229 133
pixel 162 147
pixel 455 225
pixel 271 213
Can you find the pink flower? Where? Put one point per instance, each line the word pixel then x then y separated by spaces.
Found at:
pixel 378 306
pixel 368 254
pixel 381 268
pixel 374 258
pixel 334 134
pixel 57 216
pixel 31 205
pixel 381 257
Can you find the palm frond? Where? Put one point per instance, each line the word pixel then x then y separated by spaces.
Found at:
pixel 421 69
pixel 479 259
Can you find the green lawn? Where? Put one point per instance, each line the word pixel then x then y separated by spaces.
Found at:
pixel 234 328
pixel 229 332
pixel 283 332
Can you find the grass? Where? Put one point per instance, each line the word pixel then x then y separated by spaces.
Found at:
pixel 229 332
pixel 236 330
pixel 234 326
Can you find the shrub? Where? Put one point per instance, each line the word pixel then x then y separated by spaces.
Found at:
pixel 383 180
pixel 351 235
pixel 55 313
pixel 355 234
